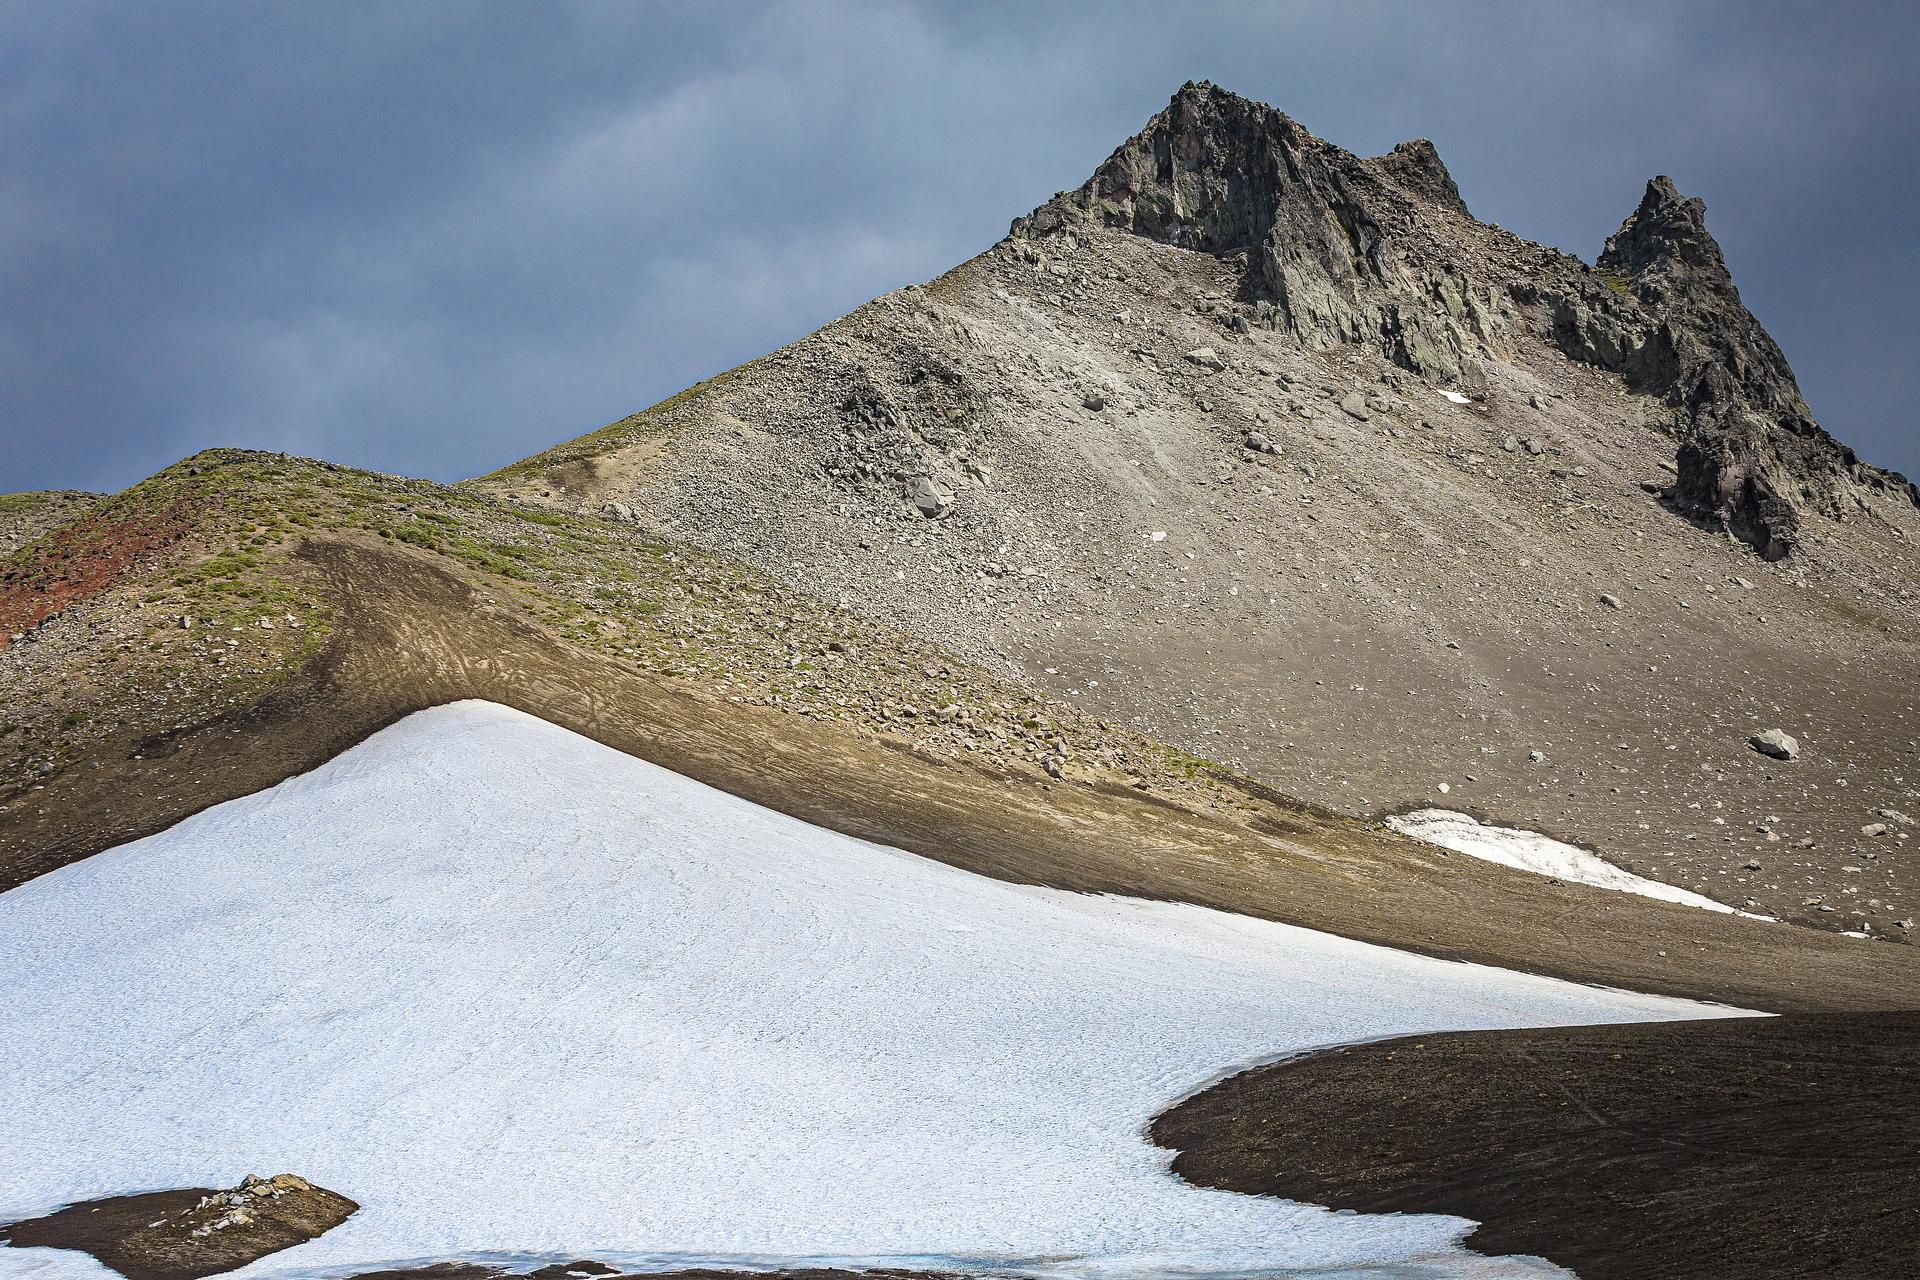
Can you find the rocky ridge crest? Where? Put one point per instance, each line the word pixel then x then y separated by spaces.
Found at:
pixel 1340 249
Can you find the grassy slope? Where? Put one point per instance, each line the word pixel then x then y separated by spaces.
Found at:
pixel 27 516
pixel 214 540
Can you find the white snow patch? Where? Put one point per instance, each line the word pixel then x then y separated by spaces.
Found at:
pixel 1456 397
pixel 513 990
pixel 1542 855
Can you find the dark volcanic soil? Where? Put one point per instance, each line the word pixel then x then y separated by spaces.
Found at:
pixel 1756 1148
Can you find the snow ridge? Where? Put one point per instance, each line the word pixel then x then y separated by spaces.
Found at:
pixel 513 990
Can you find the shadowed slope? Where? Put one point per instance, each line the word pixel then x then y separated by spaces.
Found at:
pixel 1770 1149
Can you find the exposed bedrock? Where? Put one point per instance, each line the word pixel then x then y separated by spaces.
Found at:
pixel 1340 249
pixel 190 1233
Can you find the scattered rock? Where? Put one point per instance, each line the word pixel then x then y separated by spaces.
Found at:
pixel 929 498
pixel 1259 443
pixel 1775 743
pixel 1093 400
pixel 1609 600
pixel 1207 358
pixel 1354 405
pixel 186 1234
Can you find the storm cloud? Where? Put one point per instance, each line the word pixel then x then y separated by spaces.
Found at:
pixel 432 238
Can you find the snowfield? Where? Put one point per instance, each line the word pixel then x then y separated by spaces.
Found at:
pixel 516 992
pixel 1542 855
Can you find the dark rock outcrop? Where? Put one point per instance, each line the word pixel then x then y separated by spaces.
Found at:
pixel 190 1233
pixel 1334 243
pixel 1415 166
pixel 1340 249
pixel 1753 457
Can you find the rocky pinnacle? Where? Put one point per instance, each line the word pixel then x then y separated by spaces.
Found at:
pixel 1340 249
pixel 1752 455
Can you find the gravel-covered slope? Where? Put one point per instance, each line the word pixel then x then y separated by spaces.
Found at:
pixel 274 611
pixel 24 517
pixel 1107 455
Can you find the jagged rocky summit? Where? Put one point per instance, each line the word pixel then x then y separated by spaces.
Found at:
pixel 1336 248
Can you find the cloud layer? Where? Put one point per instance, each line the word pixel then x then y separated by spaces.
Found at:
pixel 431 238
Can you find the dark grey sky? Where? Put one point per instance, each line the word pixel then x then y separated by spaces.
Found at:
pixel 431 238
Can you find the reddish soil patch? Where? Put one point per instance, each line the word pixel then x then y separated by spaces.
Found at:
pixel 82 560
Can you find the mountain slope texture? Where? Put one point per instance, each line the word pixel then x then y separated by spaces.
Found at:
pixel 1280 455
pixel 1245 508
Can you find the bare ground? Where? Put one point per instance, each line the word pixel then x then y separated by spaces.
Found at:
pixel 1383 606
pixel 188 1233
pixel 410 635
pixel 1768 1149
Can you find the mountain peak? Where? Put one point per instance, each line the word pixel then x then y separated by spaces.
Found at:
pixel 1415 166
pixel 1667 229
pixel 1752 453
pixel 1325 236
pixel 1335 249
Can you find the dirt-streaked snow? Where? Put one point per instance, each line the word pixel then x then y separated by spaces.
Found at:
pixel 514 991
pixel 1542 855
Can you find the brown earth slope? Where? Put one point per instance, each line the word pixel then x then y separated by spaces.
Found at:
pixel 388 596
pixel 1180 451
pixel 1768 1148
